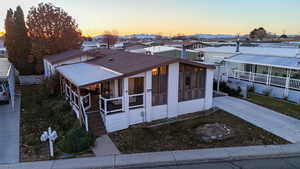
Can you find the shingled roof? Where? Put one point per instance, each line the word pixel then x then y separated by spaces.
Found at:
pixel 130 63
pixel 63 56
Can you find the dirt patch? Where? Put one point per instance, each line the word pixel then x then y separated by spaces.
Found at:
pixel 182 136
pixel 212 132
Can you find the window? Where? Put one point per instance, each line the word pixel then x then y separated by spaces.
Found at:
pixel 159 85
pixel 191 82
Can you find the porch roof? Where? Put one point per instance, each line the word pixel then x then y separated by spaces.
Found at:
pixel 274 61
pixel 82 74
pixel 4 67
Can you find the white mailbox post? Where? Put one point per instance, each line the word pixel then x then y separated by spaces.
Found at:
pixel 51 136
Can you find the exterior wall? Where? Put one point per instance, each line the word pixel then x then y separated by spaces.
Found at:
pixel 191 106
pixel 216 57
pixel 49 69
pixel 116 122
pixel 159 112
pixel 137 116
pixel 173 85
pixel 150 113
pixel 209 89
pixel 177 54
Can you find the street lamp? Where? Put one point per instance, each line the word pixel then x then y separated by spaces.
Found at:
pixel 51 136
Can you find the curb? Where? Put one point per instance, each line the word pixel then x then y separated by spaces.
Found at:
pixel 158 159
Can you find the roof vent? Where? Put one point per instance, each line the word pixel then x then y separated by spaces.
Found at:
pixel 110 59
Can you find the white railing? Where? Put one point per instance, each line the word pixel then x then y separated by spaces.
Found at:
pixel 111 105
pixel 266 79
pixel 86 101
pixel 84 115
pixel 294 84
pixel 136 100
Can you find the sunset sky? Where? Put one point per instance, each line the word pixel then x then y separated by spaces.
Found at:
pixel 171 17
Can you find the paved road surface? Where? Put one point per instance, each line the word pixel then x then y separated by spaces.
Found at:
pixel 282 163
pixel 274 122
pixel 9 132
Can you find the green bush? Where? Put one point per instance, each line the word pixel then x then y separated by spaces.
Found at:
pixel 226 89
pixel 76 140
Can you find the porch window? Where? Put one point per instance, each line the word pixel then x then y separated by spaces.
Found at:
pixel 159 85
pixel 136 92
pixel 191 82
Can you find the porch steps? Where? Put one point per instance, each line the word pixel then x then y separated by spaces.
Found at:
pixel 96 125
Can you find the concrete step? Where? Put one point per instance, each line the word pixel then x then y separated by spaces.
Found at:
pixel 96 125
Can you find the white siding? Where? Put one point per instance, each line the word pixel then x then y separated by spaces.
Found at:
pixel 116 122
pixel 173 85
pixel 159 112
pixel 191 106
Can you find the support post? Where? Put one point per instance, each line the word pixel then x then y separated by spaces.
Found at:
pixel 148 95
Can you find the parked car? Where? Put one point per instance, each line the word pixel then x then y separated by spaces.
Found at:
pixel 4 93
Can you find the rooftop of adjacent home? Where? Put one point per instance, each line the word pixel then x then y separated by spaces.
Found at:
pixel 158 49
pixel 114 64
pixel 284 52
pixel 4 67
pixel 263 60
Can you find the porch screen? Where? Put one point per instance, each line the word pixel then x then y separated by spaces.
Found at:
pixel 159 86
pixel 191 82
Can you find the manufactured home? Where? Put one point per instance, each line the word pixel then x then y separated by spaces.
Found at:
pixel 275 71
pixel 121 89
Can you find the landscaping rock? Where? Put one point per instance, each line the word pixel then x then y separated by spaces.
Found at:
pixel 216 131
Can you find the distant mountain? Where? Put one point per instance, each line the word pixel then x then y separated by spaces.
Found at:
pixel 152 36
pixel 212 36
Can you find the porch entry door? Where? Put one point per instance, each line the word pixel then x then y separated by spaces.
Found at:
pixel 136 100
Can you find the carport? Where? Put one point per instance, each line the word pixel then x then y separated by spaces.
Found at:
pixel 7 73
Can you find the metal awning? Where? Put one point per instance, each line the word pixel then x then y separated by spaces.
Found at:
pixel 82 74
pixel 4 68
pixel 272 61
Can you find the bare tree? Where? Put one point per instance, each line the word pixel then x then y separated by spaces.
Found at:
pixel 110 38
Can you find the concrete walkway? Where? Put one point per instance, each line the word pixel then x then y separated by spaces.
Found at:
pixel 166 158
pixel 274 122
pixel 10 132
pixel 104 146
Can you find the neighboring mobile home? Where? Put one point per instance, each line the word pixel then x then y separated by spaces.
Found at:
pixel 273 71
pixel 67 57
pixel 124 88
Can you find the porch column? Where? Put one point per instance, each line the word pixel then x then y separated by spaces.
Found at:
pixel 209 89
pixel 287 83
pixel 125 95
pixel 148 95
pixel 116 88
pixel 173 87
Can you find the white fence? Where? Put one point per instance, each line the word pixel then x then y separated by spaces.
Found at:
pixel 79 104
pixel 284 82
pixel 136 100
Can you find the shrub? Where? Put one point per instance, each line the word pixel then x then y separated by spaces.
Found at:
pixel 251 89
pixel 226 89
pixel 76 140
pixel 266 92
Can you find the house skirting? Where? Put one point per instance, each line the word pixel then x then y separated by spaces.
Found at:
pixel 277 92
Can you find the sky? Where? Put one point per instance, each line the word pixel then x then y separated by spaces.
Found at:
pixel 171 17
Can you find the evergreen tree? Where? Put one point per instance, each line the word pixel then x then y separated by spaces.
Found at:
pixel 17 41
pixel 9 35
pixel 23 43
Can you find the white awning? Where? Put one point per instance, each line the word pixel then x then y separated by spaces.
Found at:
pixel 4 67
pixel 274 61
pixel 82 74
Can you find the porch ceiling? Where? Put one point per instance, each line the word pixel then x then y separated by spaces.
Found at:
pixel 82 74
pixel 274 61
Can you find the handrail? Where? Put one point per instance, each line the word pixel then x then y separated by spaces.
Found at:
pixel 136 95
pixel 104 108
pixel 268 79
pixel 86 122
